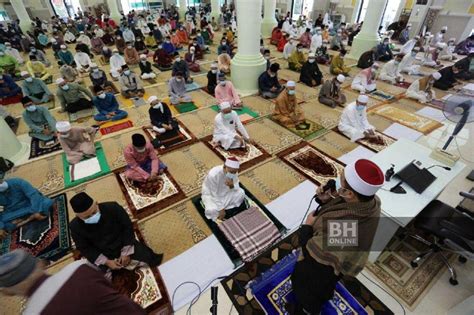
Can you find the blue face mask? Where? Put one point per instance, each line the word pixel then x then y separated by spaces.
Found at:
pixel 360 108
pixel 291 92
pixel 338 183
pixel 231 176
pixel 65 87
pixel 227 116
pixel 94 219
pixel 31 108
pixel 3 186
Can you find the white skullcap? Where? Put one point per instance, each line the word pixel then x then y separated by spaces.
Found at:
pixel 340 78
pixel 214 65
pixel 23 73
pixel 142 56
pixel 232 162
pixel 93 65
pixel 63 126
pixel 452 39
pixel 312 55
pixel 60 80
pixel 7 43
pixel 152 99
pixel 444 28
pixel 81 32
pixel 364 176
pixel 436 75
pixel 441 45
pixel 224 105
pixel 290 84
pixel 62 46
pixel 362 98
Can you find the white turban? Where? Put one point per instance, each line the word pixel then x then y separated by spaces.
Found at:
pixel 436 75
pixel 364 176
pixel 363 98
pixel 232 162
pixel 23 73
pixel 224 105
pixel 63 46
pixel 152 99
pixel 60 80
pixel 290 84
pixel 63 126
pixel 340 78
pixel 444 28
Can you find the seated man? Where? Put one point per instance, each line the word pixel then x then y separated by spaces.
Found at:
pixel 107 106
pixel 161 118
pixel 466 68
pixel 287 111
pixel 229 132
pixel 130 84
pixel 143 164
pixel 282 42
pixel 336 41
pixel 70 74
pixel 191 59
pixel 212 79
pixel 268 84
pixel 162 59
pixel 76 142
pixel 8 64
pixel 448 50
pixel 223 62
pixel 10 92
pixel 337 64
pixel 407 64
pixel 103 234
pixel 177 90
pixel 65 56
pixel 276 35
pixel 38 70
pixel 73 96
pixel 12 51
pixel 98 77
pixel 305 38
pixel 391 71
pixel 297 59
pixel 353 122
pixel 422 89
pixel 116 64
pixel 331 94
pixel 319 267
pixel 384 53
pixel 83 61
pixel 225 92
pixel 21 203
pixel 221 194
pixel 322 55
pixel 448 78
pixel 405 34
pixel 310 73
pixel 131 55
pixel 38 118
pixel 365 80
pixel 367 59
pixel 180 65
pixel 145 68
pixel 168 47
pixel 289 48
pixel 431 56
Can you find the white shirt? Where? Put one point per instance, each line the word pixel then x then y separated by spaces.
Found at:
pixel 82 59
pixel 85 39
pixel 316 42
pixel 408 46
pixel 390 69
pixel 288 50
pixel 225 130
pixel 116 62
pixel 353 123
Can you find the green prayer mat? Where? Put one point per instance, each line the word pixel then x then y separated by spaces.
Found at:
pixel 104 168
pixel 308 131
pixel 185 107
pixel 240 111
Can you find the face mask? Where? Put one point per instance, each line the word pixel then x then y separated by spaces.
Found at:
pixel 311 60
pixel 267 57
pixel 291 92
pixel 179 80
pixel 214 71
pixel 3 186
pixel 224 43
pixel 178 59
pixel 65 135
pixel 396 62
pixel 360 108
pixel 227 116
pixel 93 220
pixel 33 50
pixel 129 47
pixel 31 108
pixel 65 87
pixel 158 106
pixel 231 176
pixel 272 75
pixel 127 72
pixel 140 150
pixel 29 79
pixel 101 96
pixel 222 83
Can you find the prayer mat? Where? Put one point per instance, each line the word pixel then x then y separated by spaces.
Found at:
pixel 114 126
pixel 82 115
pixel 115 145
pixel 334 144
pixel 271 267
pixel 411 120
pixel 146 198
pixel 145 287
pixel 271 136
pixel 259 105
pixel 248 157
pixel 390 88
pixel 200 122
pixel 307 130
pixel 150 81
pixel 40 147
pixel 393 269
pixel 47 239
pixel 137 102
pixel 175 230
pixel 130 102
pixel 374 145
pixel 273 289
pixel 404 84
pixel 231 251
pixel 321 114
pixel 192 87
pixel 250 232
pixel 314 164
pixel 245 113
pixel 162 68
pixel 185 107
pixel 171 140
pixel 71 180
pixel 381 95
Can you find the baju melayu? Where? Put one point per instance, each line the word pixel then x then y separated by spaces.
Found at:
pixel 108 106
pixel 160 116
pixel 226 129
pixel 37 121
pixel 363 81
pixel 177 91
pixel 353 123
pixel 287 111
pixel 78 142
pixel 140 165
pixel 227 93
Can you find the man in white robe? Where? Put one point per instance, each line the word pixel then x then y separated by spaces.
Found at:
pixel 391 71
pixel 229 132
pixel 353 122
pixel 83 61
pixel 221 192
pixel 409 45
pixel 288 49
pixel 116 63
pixel 286 27
pixel 439 37
pixel 448 50
pixel 422 89
pixel 365 80
pixel 84 39
pixel 316 40
pixel 408 66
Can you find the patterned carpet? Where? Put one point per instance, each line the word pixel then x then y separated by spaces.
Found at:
pixel 334 144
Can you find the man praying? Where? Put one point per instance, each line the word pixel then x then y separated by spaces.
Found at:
pixel 40 121
pixel 391 70
pixel 177 89
pixel 365 80
pixel 103 234
pixel 35 89
pixel 353 122
pixel 337 64
pixel 268 84
pixel 72 96
pixel 130 84
pixel 107 106
pixel 331 94
pixel 310 73
pixel 229 132
pixel 76 142
pixel 422 89
pixel 287 110
pixel 225 92
pixel 221 194
pixel 161 118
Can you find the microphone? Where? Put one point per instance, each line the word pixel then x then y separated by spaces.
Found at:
pixel 213 309
pixel 437 165
pixel 466 195
pixel 330 185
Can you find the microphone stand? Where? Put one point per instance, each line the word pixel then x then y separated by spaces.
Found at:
pixel 213 308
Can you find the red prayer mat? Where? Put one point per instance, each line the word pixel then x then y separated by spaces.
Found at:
pixel 116 127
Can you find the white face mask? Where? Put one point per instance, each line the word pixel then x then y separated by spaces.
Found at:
pixel 101 96
pixel 179 80
pixel 214 71
pixel 140 150
pixel 178 59
pixel 222 83
pixel 3 186
pixel 311 60
pixel 95 70
pixel 29 79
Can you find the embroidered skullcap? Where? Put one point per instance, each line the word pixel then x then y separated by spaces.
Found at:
pixel 224 105
pixel 152 98
pixel 63 126
pixel 363 98
pixel 232 162
pixel 340 78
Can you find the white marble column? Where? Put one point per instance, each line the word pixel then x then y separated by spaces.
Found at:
pixel 114 11
pixel 248 63
pixel 10 147
pixel 355 11
pixel 183 7
pixel 269 21
pixel 22 14
pixel 368 36
pixel 215 9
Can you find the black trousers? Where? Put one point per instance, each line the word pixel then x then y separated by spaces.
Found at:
pixel 79 105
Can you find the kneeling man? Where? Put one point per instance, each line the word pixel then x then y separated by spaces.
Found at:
pixel 229 132
pixel 354 124
pixel 287 110
pixel 76 142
